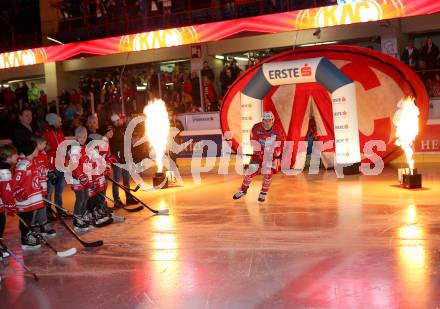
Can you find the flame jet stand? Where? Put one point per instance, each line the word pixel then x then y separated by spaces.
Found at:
pixel 406 121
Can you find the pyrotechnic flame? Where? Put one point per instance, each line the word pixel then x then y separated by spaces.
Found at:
pixel 157 128
pixel 406 121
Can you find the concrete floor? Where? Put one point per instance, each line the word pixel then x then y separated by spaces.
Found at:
pixel 318 242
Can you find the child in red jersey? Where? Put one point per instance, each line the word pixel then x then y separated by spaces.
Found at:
pixel 8 157
pixel 42 165
pixel 28 194
pixel 80 182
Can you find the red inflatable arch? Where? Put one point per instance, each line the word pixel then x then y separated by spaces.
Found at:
pixel 381 81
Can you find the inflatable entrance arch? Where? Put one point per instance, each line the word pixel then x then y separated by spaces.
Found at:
pixel 321 70
pixel 380 81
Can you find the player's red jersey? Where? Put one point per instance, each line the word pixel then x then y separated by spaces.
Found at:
pixel 42 165
pixel 26 179
pixel 267 139
pixel 6 196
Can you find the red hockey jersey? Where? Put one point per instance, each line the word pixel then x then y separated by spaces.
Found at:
pixel 92 165
pixel 42 165
pixel 99 167
pixel 267 139
pixel 26 177
pixel 6 196
pixel 78 156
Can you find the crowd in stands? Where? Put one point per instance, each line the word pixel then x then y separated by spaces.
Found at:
pixel 224 9
pixel 183 92
pixel 88 19
pixel 425 60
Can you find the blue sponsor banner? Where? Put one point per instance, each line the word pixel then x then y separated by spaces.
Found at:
pixel 188 151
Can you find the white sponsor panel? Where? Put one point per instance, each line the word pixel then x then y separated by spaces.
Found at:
pixel 291 72
pixel 346 126
pixel 200 121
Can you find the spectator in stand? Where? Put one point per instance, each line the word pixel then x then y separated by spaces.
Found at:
pixel 429 53
pixel 95 89
pixel 176 103
pixel 22 133
pixel 93 126
pixel 187 84
pixel 9 98
pixel 229 10
pixel 153 83
pixel 410 55
pixel 207 71
pixel 195 88
pixel 236 71
pixel 269 6
pixel 226 79
pixel 166 6
pixel 33 94
pixel 41 109
pixel 209 95
pixel 70 112
pixel 64 98
pixel 43 99
pixel 22 95
pixel 75 97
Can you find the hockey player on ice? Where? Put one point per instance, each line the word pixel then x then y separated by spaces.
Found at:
pixel 270 139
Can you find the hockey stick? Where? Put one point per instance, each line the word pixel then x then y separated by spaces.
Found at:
pixel 19 261
pixel 122 186
pixel 164 211
pixel 139 208
pixel 249 155
pixel 136 209
pixel 71 231
pixel 66 253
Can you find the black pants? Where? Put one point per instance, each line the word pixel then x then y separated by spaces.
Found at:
pixel 2 223
pixel 26 217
